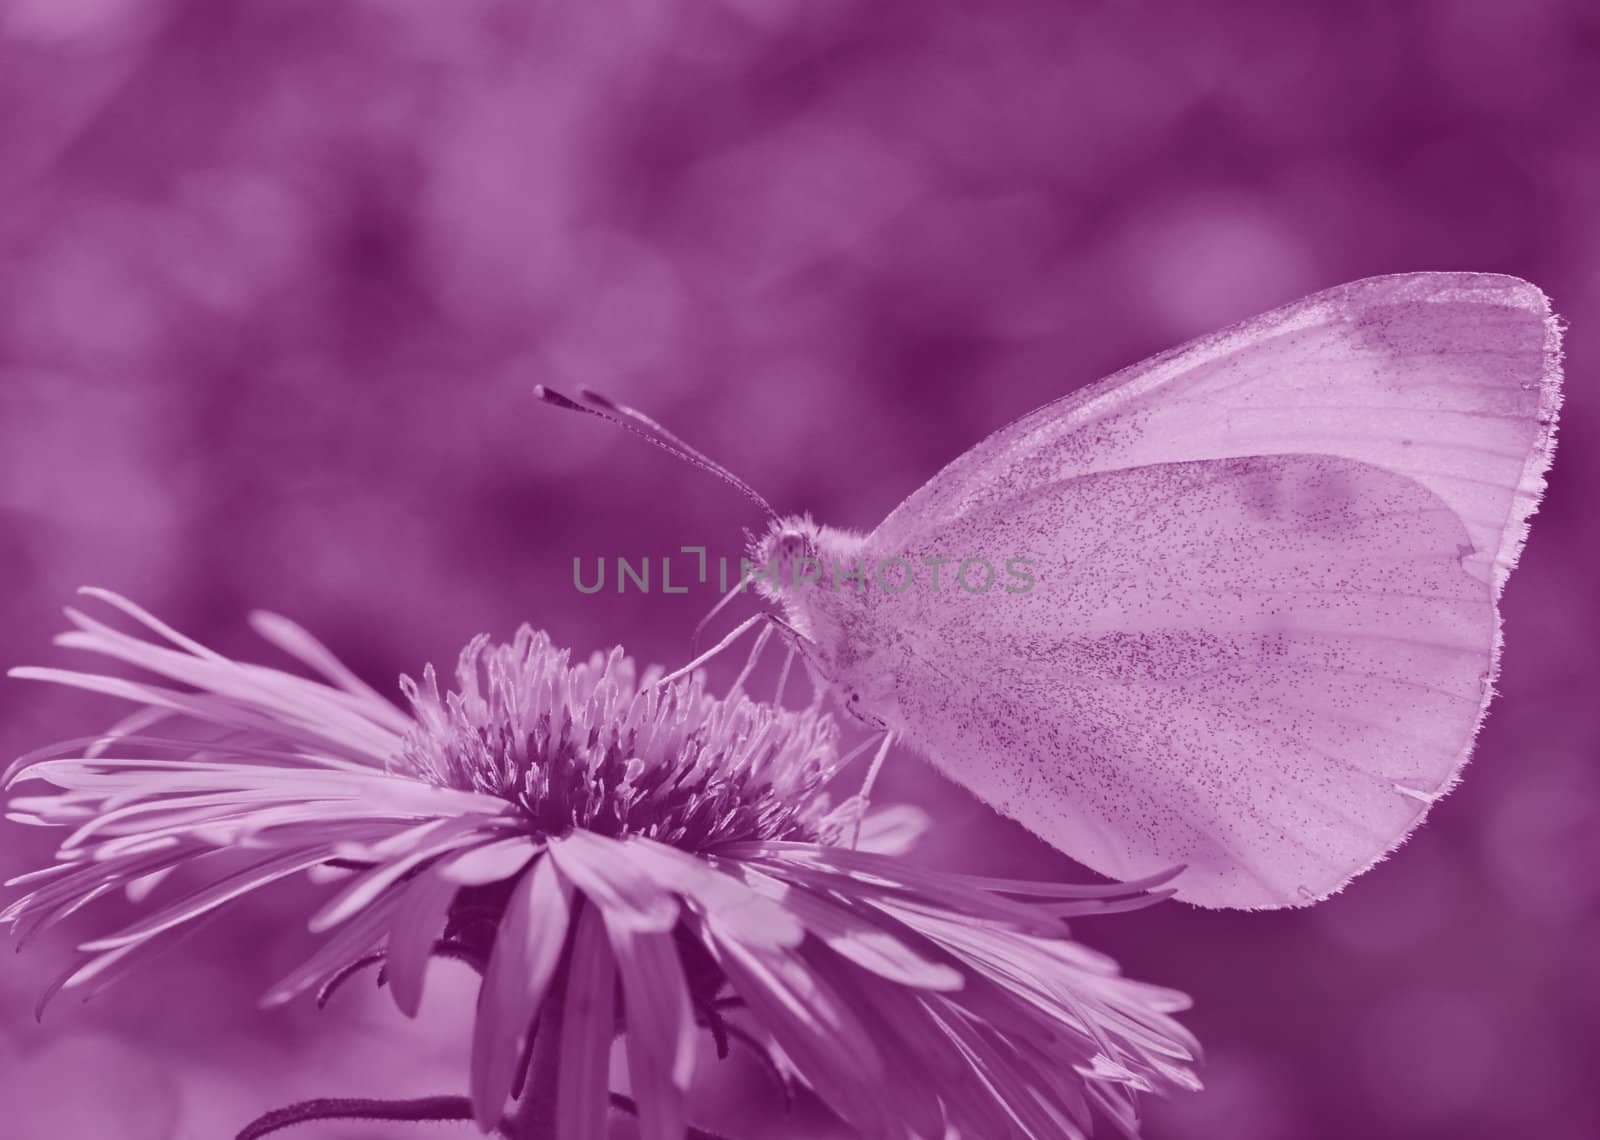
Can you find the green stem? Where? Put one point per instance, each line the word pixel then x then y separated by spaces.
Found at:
pixel 534 1118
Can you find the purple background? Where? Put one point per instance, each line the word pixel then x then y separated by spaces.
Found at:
pixel 277 276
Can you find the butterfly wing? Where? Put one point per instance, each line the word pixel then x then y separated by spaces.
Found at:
pixel 1451 378
pixel 1263 629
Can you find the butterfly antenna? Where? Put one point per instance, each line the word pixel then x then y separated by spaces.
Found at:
pixel 639 424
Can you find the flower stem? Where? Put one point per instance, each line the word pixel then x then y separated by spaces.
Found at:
pixel 357 1108
pixel 534 1118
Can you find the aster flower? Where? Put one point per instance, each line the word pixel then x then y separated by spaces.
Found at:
pixel 616 858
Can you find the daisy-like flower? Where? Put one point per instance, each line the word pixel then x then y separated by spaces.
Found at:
pixel 615 857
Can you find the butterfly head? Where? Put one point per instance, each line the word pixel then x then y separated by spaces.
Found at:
pixel 785 555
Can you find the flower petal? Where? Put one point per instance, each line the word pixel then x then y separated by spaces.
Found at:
pixel 736 909
pixel 893 830
pixel 298 643
pixel 526 951
pixel 257 874
pixel 858 872
pixel 588 1022
pixel 1023 1092
pixel 419 919
pixel 356 938
pixel 809 1022
pixel 917 1072
pixel 370 885
pixel 870 945
pixel 661 1027
pixel 601 869
pixel 490 863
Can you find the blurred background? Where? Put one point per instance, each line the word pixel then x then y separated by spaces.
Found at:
pixel 277 278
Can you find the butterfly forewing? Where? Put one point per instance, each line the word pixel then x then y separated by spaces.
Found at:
pixel 1450 378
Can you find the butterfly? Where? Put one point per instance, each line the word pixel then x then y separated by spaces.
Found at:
pixel 1247 621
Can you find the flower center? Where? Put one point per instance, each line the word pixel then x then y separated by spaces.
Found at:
pixel 584 747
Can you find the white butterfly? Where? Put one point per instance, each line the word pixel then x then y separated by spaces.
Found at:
pixel 1262 630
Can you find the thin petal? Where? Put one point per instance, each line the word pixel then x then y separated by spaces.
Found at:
pixel 870 945
pixel 369 886
pixel 1069 890
pixel 356 938
pixel 140 889
pixel 915 1071
pixel 285 695
pixel 526 952
pixel 420 918
pixel 588 1022
pixel 601 869
pixel 727 901
pixel 298 643
pixel 893 831
pixel 418 921
pixel 859 873
pixel 826 1043
pixel 258 874
pixel 661 1026
pixel 139 614
pixel 491 863
pixel 1046 1109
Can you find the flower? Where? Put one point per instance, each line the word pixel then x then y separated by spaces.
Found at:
pixel 615 857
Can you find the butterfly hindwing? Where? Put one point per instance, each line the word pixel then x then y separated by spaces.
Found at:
pixel 1263 669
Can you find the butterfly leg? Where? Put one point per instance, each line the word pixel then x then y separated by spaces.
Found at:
pixel 865 795
pixel 819 685
pixel 877 765
pixel 798 644
pixel 739 631
pixel 755 655
pixel 783 674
